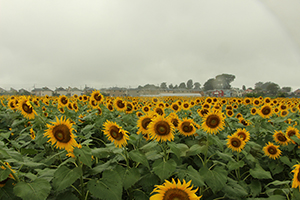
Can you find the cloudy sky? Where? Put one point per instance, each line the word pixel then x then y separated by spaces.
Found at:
pixel 104 43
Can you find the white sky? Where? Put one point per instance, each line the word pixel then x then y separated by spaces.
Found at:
pixel 135 42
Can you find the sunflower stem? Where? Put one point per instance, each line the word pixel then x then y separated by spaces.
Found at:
pixel 126 157
pixel 11 171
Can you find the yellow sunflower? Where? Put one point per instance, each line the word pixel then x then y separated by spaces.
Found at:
pixel 213 122
pixel 253 111
pixel 229 113
pixel 32 134
pixel 242 133
pixel 175 107
pixel 272 150
pixel 174 119
pixel 235 142
pixel 115 133
pixel 280 138
pixel 26 108
pixel 161 129
pixel 60 134
pixel 143 123
pixel 97 96
pixel 119 104
pixel 174 191
pixel 63 100
pixel 296 178
pixel 291 131
pixel 187 127
pixel 10 176
pixel 266 111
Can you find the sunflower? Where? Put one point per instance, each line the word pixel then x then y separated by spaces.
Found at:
pixel 256 102
pixel 97 96
pixel 280 138
pixel 174 119
pixel 143 123
pixel 284 113
pixel 159 110
pixel 187 127
pixel 229 113
pixel 203 112
pixel 266 111
pixel 272 150
pixel 291 131
pixel 296 178
pixel 10 176
pixel 174 191
pixel 93 103
pixel 185 106
pixel 242 133
pixel 115 133
pixel 60 134
pixel 12 104
pixel 235 142
pixel 146 108
pixel 26 108
pixel 175 107
pixel 247 101
pixel 161 129
pixel 119 104
pixel 253 111
pixel 213 122
pixel 63 100
pixel 75 106
pixel 129 107
pixel 32 134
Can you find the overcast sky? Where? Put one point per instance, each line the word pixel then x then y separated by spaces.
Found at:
pixel 104 43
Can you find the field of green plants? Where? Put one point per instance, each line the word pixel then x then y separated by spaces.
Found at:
pixel 167 148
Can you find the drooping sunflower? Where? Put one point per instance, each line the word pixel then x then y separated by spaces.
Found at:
pixel 272 150
pixel 235 143
pixel 266 111
pixel 26 108
pixel 174 119
pixel 296 177
pixel 213 122
pixel 174 191
pixel 61 134
pixel 280 138
pixel 115 133
pixel 161 129
pixel 291 131
pixel 243 133
pixel 187 127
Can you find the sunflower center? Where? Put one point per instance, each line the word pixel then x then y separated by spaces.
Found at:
pixel 291 133
pixel 97 97
pixel 298 176
pixel 175 122
pixel 64 100
pixel 186 127
pixel 236 142
pixel 27 108
pixel 213 121
pixel 175 107
pixel 116 133
pixel 120 104
pixel 242 135
pixel 266 110
pixel 272 150
pixel 159 111
pixel 176 194
pixel 162 128
pixel 62 133
pixel 281 137
pixel 145 123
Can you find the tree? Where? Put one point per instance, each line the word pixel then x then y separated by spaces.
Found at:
pixel 197 86
pixel 163 85
pixel 272 88
pixel 189 84
pixel 182 85
pixel 223 81
pixel 286 89
pixel 209 84
pixel 171 86
pixel 244 87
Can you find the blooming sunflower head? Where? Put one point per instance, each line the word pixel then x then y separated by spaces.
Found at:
pixel 291 131
pixel 60 134
pixel 143 123
pixel 235 142
pixel 280 138
pixel 242 133
pixel 266 111
pixel 119 104
pixel 272 150
pixel 161 129
pixel 213 122
pixel 26 108
pixel 32 134
pixel 187 127
pixel 175 191
pixel 63 100
pixel 115 134
pixel 97 96
pixel 296 177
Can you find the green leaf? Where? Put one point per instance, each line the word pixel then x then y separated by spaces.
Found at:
pixel 259 173
pixel 46 173
pixel 4 173
pixel 225 156
pixel 67 195
pixel 101 152
pixel 276 183
pixel 139 157
pixel 131 176
pixel 64 177
pixel 178 149
pixel 87 128
pixel 38 189
pixel 140 195
pixel 286 161
pixel 102 167
pixel 28 151
pixel 191 174
pixel 232 165
pixel 255 187
pixel 197 149
pixel 215 178
pixel 233 190
pixel 84 154
pixel 164 169
pixel 149 146
pixel 6 192
pixel 107 188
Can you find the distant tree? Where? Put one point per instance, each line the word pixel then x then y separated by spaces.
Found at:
pixel 272 88
pixel 244 87
pixel 182 85
pixel 171 86
pixel 197 86
pixel 189 84
pixel 286 89
pixel 209 84
pixel 175 87
pixel 223 81
pixel 258 85
pixel 163 85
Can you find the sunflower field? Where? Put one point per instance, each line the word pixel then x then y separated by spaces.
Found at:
pixel 158 148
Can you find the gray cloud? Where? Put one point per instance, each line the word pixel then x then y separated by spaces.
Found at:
pixel 131 43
